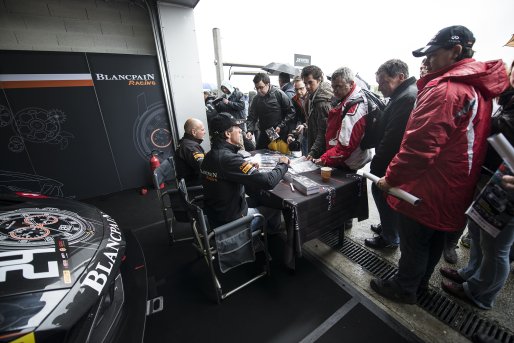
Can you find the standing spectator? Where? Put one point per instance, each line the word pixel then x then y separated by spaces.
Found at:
pixel 394 83
pixel 316 109
pixel 231 101
pixel 345 131
pixel 423 68
pixel 284 81
pixel 270 109
pixel 300 123
pixel 190 154
pixel 489 266
pixel 439 160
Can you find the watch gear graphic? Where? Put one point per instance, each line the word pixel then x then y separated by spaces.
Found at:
pixel 30 227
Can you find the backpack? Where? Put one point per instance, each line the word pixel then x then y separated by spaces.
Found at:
pixel 375 109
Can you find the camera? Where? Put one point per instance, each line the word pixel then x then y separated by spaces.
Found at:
pixel 294 144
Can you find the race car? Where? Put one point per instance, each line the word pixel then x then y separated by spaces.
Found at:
pixel 66 273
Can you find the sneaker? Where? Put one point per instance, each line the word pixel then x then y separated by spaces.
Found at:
pixel 465 241
pixel 450 254
pixel 376 228
pixel 378 242
pixel 390 290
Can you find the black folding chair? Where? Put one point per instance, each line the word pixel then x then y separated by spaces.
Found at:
pixel 227 244
pixel 174 210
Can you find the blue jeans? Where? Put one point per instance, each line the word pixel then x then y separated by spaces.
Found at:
pixel 421 248
pixel 388 216
pixel 271 215
pixel 488 267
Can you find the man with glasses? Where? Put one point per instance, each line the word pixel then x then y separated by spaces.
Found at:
pixel 270 110
pixel 316 109
pixel 300 124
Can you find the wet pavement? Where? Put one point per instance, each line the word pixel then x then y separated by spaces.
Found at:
pixel 423 324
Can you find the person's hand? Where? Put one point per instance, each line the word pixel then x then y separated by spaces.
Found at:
pixel 383 185
pixel 299 128
pixel 283 159
pixel 508 182
pixel 318 161
pixel 289 139
pixel 256 165
pixel 225 101
pixel 309 158
pixel 277 129
pixel 249 135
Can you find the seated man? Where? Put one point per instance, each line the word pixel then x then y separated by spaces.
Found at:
pixel 189 154
pixel 225 174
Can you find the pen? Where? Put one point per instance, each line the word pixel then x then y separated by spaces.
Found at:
pixel 292 187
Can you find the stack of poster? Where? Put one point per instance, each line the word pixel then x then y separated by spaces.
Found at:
pixel 305 185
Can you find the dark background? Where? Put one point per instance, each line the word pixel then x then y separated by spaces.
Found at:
pixel 94 140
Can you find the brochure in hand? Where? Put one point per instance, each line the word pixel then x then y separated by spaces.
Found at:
pixel 493 209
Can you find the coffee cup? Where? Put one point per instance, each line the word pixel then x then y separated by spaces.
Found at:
pixel 326 172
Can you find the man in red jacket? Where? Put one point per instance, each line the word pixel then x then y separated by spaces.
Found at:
pixel 440 156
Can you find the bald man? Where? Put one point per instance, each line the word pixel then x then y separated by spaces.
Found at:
pixel 189 154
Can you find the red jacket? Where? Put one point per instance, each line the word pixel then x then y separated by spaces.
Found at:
pixel 445 142
pixel 344 135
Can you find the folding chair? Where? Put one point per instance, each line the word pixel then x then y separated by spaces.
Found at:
pixel 228 244
pixel 173 208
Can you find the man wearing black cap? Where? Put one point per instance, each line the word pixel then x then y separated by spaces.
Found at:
pixel 440 156
pixel 225 174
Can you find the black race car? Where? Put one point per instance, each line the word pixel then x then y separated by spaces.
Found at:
pixel 67 273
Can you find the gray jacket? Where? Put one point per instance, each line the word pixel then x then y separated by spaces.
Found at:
pixel 316 109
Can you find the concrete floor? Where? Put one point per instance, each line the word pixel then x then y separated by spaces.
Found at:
pixel 424 325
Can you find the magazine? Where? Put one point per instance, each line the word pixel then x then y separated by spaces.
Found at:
pixel 493 208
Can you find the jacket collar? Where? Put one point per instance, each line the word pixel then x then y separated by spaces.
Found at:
pixel 191 137
pixel 221 144
pixel 403 86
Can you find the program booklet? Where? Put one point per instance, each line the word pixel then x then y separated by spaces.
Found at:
pixel 493 208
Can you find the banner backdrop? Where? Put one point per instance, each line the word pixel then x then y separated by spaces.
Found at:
pixel 67 128
pixel 130 97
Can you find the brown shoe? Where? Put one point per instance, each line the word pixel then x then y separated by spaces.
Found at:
pixel 454 289
pixel 451 274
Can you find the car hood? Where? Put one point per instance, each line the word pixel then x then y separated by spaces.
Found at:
pixel 49 244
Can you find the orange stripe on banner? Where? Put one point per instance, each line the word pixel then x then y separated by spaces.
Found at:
pixel 46 84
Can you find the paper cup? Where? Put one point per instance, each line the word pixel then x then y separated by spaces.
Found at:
pixel 326 172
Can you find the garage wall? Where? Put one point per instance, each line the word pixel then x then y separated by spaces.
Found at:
pixel 120 27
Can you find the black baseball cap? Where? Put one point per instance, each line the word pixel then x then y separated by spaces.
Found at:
pixel 224 121
pixel 446 38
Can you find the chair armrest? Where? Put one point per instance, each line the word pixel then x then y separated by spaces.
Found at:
pixel 194 188
pixel 238 222
pixel 197 199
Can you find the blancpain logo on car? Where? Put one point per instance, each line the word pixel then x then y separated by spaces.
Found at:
pixel 97 278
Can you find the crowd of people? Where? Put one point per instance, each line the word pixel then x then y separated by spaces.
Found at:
pixel 429 139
